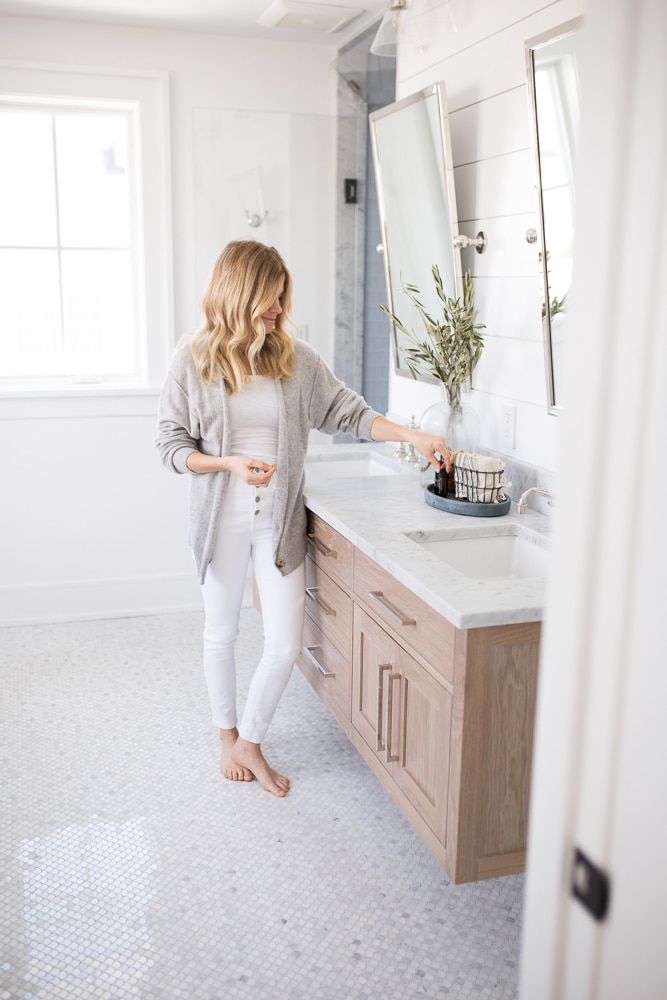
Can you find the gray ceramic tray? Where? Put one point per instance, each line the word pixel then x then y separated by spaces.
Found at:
pixel 468 507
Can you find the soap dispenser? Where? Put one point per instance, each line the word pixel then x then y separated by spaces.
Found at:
pixel 441 483
pixel 433 480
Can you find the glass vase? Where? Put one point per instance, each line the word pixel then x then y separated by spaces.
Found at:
pixel 456 421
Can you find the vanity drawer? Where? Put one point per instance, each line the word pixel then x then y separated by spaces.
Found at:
pixel 329 606
pixel 325 669
pixel 417 624
pixel 330 550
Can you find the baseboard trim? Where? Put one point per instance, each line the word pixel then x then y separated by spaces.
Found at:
pixel 88 600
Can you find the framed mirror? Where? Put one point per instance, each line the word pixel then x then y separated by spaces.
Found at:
pixel 415 180
pixel 553 92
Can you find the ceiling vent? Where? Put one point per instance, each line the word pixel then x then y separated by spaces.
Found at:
pixel 322 17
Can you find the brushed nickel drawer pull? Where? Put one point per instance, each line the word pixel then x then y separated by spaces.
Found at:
pixel 321 547
pixel 308 650
pixel 388 606
pixel 381 669
pixel 316 599
pixel 389 756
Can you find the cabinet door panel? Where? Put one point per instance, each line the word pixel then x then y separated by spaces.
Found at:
pixel 422 770
pixel 375 657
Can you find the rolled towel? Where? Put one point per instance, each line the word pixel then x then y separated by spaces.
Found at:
pixel 480 478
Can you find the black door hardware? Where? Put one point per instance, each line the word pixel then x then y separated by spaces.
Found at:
pixel 590 885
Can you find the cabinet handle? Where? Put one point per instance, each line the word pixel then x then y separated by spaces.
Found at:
pixel 404 723
pixel 388 606
pixel 308 650
pixel 322 605
pixel 381 669
pixel 389 756
pixel 321 547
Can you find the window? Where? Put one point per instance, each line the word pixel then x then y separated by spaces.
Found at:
pixel 69 286
pixel 84 296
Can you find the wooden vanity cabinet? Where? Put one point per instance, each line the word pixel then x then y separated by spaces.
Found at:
pixel 332 553
pixel 416 624
pixel 326 653
pixel 326 669
pixel 404 716
pixel 330 607
pixel 442 716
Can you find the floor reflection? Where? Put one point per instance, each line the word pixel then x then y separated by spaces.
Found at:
pixel 86 888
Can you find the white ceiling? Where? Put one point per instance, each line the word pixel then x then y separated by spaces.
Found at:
pixel 236 17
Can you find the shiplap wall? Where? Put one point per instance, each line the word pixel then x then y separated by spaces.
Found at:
pixel 483 67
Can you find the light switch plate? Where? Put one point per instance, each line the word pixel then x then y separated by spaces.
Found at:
pixel 508 427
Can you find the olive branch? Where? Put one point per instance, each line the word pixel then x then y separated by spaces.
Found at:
pixel 454 345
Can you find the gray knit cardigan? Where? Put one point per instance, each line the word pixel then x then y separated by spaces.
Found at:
pixel 193 416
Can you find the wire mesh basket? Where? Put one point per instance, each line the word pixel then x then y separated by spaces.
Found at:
pixel 477 486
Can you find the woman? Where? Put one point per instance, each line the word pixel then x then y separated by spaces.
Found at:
pixel 238 403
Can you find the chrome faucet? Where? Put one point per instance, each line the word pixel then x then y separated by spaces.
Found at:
pixel 533 489
pixel 411 457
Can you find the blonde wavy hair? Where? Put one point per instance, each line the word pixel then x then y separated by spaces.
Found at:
pixel 233 343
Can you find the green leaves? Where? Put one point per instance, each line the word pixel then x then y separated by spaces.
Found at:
pixel 453 346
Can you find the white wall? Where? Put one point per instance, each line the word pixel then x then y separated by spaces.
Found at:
pixel 483 66
pixel 91 523
pixel 282 163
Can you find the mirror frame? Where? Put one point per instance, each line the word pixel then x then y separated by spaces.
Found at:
pixel 531 45
pixel 439 90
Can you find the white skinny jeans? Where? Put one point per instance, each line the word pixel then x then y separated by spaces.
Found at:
pixel 244 533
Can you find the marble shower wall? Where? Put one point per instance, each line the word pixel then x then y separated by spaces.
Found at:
pixel 350 238
pixel 365 83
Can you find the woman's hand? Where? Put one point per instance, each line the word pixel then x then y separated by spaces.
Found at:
pixel 429 446
pixel 251 470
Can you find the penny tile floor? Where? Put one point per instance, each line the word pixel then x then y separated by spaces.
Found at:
pixel 130 868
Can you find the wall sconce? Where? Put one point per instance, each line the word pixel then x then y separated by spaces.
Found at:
pixel 384 43
pixel 254 219
pixel 444 16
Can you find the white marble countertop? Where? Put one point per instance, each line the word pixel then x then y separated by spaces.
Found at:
pixel 373 512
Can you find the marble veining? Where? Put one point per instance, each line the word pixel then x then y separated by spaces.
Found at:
pixel 375 513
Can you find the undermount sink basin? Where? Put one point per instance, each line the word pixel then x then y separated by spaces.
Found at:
pixel 347 466
pixel 502 555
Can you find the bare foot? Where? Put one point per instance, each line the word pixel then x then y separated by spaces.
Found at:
pixel 249 755
pixel 228 767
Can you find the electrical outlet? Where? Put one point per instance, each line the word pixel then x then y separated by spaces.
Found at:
pixel 508 427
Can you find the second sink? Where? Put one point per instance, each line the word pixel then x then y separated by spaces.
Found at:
pixel 501 555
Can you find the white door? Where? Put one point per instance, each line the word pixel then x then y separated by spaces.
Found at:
pixel 600 773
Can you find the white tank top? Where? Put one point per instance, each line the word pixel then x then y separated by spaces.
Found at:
pixel 254 413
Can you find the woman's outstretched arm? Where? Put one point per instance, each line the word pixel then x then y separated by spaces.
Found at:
pixel 334 407
pixel 426 444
